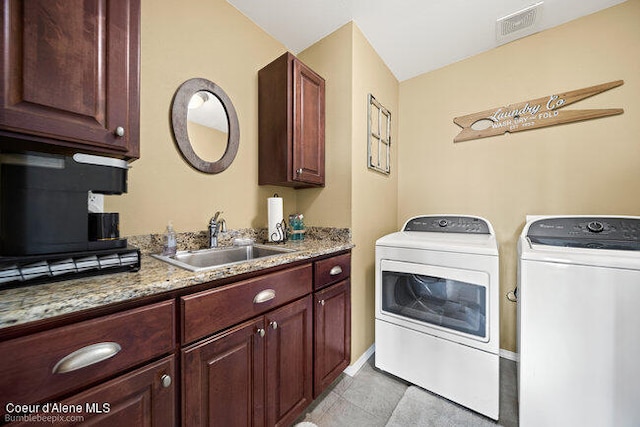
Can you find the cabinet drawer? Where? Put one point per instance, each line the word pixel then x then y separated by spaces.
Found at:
pixel 331 270
pixel 210 311
pixel 55 362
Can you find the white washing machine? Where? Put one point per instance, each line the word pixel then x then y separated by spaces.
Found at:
pixel 579 321
pixel 437 314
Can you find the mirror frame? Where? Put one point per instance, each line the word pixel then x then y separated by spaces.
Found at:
pixel 179 110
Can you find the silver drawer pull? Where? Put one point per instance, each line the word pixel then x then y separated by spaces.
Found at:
pixel 86 356
pixel 335 270
pixel 264 296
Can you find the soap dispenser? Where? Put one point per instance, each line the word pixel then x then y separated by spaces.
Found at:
pixel 169 242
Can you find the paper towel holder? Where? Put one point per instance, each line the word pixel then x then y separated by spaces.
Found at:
pixel 281 233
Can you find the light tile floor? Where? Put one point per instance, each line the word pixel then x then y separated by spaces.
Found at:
pixel 369 398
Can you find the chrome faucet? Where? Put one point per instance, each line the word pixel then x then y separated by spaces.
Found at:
pixel 215 227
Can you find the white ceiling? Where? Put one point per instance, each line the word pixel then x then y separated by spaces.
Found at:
pixel 411 36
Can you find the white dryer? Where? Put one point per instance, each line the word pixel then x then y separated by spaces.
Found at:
pixel 579 321
pixel 437 315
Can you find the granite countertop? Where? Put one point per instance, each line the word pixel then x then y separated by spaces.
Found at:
pixel 38 302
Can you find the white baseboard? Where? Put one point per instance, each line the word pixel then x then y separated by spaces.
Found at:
pixel 353 369
pixel 510 355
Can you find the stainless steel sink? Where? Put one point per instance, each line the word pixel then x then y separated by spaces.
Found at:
pixel 208 259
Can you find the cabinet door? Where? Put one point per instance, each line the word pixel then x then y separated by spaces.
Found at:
pixel 145 397
pixel 308 132
pixel 223 381
pixel 71 73
pixel 332 315
pixel 289 370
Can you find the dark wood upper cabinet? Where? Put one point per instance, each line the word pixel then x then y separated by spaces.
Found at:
pixel 70 76
pixel 291 113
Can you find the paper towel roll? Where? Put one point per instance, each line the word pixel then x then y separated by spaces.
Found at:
pixel 275 217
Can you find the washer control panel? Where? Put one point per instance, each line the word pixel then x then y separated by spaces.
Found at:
pixel 587 232
pixel 448 224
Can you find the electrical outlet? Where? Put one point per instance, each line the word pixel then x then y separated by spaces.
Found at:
pixel 95 202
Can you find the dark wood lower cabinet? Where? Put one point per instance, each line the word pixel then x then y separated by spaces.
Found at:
pixel 332 322
pixel 223 381
pixel 268 345
pixel 144 397
pixel 289 369
pixel 257 373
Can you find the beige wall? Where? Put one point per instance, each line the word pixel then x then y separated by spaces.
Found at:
pixel 331 205
pixel 374 196
pixel 586 167
pixel 362 199
pixel 209 39
pixel 213 40
pixel 590 167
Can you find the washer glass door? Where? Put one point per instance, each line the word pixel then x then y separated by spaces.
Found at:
pixel 443 298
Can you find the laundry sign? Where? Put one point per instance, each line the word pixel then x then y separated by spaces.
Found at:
pixel 533 114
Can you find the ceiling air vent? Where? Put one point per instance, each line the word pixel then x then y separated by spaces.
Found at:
pixel 518 24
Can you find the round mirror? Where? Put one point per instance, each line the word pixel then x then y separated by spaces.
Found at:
pixel 205 125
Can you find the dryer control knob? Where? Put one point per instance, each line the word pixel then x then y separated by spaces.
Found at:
pixel 595 226
pixel 443 223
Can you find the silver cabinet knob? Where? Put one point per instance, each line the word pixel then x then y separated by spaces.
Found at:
pixel 274 324
pixel 261 332
pixel 120 131
pixel 299 171
pixel 166 381
pixel 321 302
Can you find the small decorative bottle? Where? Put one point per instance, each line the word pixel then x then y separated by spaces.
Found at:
pixel 169 242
